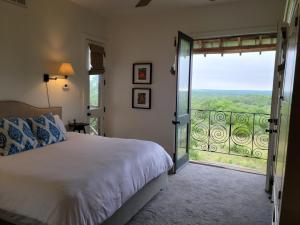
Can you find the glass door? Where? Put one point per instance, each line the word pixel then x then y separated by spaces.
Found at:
pixel 276 106
pixel 96 105
pixel 183 100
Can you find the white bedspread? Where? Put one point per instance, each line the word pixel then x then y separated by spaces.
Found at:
pixel 81 181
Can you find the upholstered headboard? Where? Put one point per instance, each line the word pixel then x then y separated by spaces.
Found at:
pixel 23 110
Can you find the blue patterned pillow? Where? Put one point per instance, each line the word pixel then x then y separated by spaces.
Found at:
pixel 15 136
pixel 46 130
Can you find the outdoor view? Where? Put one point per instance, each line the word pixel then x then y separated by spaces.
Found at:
pixel 231 103
pixel 94 103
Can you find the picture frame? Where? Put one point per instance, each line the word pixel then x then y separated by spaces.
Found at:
pixel 142 73
pixel 141 98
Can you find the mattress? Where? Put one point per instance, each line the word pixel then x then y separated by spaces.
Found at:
pixel 81 181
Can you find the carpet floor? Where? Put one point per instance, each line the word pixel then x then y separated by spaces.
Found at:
pixel 204 195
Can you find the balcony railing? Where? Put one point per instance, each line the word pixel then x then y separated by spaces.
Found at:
pixel 233 133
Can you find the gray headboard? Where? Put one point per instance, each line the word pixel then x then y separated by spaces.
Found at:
pixel 23 110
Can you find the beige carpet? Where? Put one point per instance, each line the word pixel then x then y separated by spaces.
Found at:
pixel 204 195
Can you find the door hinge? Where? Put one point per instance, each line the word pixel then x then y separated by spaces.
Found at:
pixel 274 121
pixel 271 131
pixel 271 181
pixel 274 158
pixel 281 67
pixel 104 109
pixel 284 32
pixel 279 194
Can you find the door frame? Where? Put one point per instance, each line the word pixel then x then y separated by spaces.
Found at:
pixel 88 39
pixel 284 191
pixel 179 164
pixel 245 31
pixel 275 112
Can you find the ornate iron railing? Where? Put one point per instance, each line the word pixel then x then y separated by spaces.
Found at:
pixel 234 133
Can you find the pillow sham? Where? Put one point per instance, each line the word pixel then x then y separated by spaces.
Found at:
pixel 15 136
pixel 46 130
pixel 60 123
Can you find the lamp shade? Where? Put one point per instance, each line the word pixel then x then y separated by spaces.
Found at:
pixel 66 69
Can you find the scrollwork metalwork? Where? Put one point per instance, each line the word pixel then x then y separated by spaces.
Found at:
pixel 241 118
pixel 200 115
pixel 213 148
pixel 242 133
pixel 200 132
pixel 219 134
pixel 261 140
pixel 219 117
pixel 241 136
pixel 257 153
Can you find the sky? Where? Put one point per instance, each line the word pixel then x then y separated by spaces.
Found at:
pixel 251 71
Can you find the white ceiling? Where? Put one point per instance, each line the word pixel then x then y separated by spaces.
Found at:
pixel 118 7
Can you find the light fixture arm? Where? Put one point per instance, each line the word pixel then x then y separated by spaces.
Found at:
pixel 65 70
pixel 48 77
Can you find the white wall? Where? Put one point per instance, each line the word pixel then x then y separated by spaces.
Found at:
pixel 149 38
pixel 36 40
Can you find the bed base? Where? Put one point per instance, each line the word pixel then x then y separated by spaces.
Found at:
pixel 120 217
pixel 138 201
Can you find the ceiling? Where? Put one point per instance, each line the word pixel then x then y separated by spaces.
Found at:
pixel 118 7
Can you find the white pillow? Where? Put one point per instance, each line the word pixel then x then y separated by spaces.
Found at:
pixel 60 123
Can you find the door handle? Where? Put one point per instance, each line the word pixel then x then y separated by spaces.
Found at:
pixel 176 122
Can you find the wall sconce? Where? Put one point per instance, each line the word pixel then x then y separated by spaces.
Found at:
pixel 65 70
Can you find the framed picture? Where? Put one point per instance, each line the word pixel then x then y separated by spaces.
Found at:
pixel 141 98
pixel 142 73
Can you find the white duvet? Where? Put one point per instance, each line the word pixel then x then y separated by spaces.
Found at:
pixel 81 181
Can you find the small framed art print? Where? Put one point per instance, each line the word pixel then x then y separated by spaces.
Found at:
pixel 142 73
pixel 141 98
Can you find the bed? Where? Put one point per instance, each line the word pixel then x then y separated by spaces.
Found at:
pixel 86 180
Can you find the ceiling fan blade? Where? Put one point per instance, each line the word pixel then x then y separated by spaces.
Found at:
pixel 143 3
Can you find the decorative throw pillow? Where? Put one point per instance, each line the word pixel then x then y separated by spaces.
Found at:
pixel 60 123
pixel 46 130
pixel 15 136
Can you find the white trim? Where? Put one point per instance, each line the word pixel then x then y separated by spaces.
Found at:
pixel 290 7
